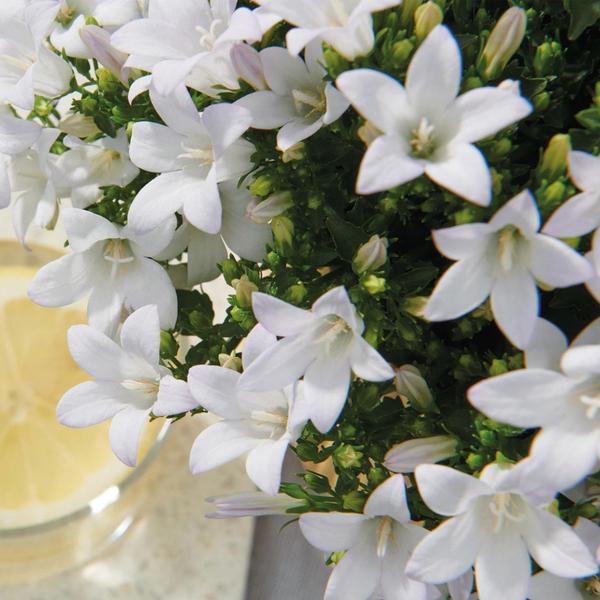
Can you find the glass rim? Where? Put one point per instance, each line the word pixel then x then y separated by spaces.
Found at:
pixel 98 503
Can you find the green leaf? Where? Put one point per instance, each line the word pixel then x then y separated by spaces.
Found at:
pixel 584 14
pixel 589 118
pixel 347 237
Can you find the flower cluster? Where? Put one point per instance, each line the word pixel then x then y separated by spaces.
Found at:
pixel 405 199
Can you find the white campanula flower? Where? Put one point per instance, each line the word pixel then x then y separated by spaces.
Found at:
pixel 545 586
pixel 407 456
pixel 239 233
pixel 35 185
pixel 323 344
pixel 262 424
pixel 346 25
pixel 378 544
pixel 497 522
pixel 193 153
pixel 100 47
pixel 127 380
pixel 16 136
pixel 87 166
pixel 427 128
pixel 251 504
pixel 111 265
pixel 503 259
pixel 27 66
pixel 71 17
pixel 248 65
pixel 299 100
pixel 559 392
pixel 188 43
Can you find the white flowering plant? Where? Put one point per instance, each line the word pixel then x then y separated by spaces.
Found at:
pixel 405 199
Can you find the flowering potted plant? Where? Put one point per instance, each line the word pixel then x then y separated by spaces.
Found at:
pixel 402 196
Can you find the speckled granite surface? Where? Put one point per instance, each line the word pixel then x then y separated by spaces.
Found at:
pixel 172 552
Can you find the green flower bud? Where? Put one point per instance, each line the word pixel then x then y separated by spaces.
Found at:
pixel 541 101
pixel 231 270
pixel 89 106
pixel 354 501
pixel 504 41
pixel 401 53
pixel 317 482
pixel 231 361
pixel 107 82
pixel 413 388
pixel 275 205
pixel 500 149
pixel 556 156
pixel 472 83
pixel 415 306
pixel 553 196
pixel 377 475
pixel 427 17
pixel 261 186
pixel 334 62
pixel 346 457
pixel 374 285
pixel 296 152
pixel 546 57
pixel 408 11
pixel 371 255
pixel 168 345
pixel 498 367
pixel 587 510
pixel 295 294
pixel 488 439
pixel 244 289
pixel 476 462
pixel 283 233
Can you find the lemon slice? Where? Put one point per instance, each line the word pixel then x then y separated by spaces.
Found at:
pixel 47 470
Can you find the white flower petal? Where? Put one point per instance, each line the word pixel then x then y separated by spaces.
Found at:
pixel 389 500
pixel 125 434
pixel 581 361
pixel 140 334
pixel 464 172
pixel 590 336
pixel 521 211
pixel 202 202
pixel 367 363
pixel 332 532
pixel 448 491
pixel 168 74
pixel 84 228
pixel 556 547
pixel 205 253
pixel 296 131
pixel 387 164
pixel 503 567
pixel 447 552
pixel 91 402
pixel 178 111
pixel 589 533
pixel 297 39
pixel 337 104
pixel 105 307
pixel 485 111
pixel 264 464
pixel 174 397
pixel 225 124
pixel 460 588
pixel 214 388
pixel 284 72
pixel 515 319
pixel 577 216
pixel 546 346
pixel 155 148
pixel 545 586
pixel 434 74
pixel 556 264
pixel 385 106
pixel 407 456
pixel 256 342
pixel 268 110
pixel 153 242
pixel 462 241
pixel 462 288
pixel 279 317
pixel 525 398
pixel 355 39
pixel 337 302
pixel 585 170
pixel 16 135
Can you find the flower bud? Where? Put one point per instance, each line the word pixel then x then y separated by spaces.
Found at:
pixel 230 361
pixel 553 196
pixel 247 64
pixel 427 17
pixel 407 456
pixel 98 42
pixel 265 210
pixel 296 152
pixel 252 504
pixel 346 457
pixel 546 57
pixel 541 101
pixel 374 285
pixel 283 232
pixel 408 11
pixel 244 289
pixel 296 294
pixel 371 256
pixel 504 41
pixel 78 125
pixel 401 53
pixel 230 269
pixel 415 306
pixel 261 186
pixel 411 386
pixel 168 345
pixel 556 156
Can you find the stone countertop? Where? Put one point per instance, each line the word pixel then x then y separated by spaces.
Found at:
pixel 171 552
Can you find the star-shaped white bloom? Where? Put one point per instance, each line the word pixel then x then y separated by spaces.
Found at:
pixel 27 66
pixel 545 586
pixel 261 424
pixel 127 379
pixel 193 152
pixel 238 233
pixel 111 264
pixel 560 394
pixel 324 345
pixel 87 166
pixel 71 17
pixel 497 522
pixel 378 544
pixel 346 25
pixel 299 100
pixel 503 259
pixel 188 43
pixel 426 128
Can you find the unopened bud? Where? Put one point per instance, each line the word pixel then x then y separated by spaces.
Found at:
pixel 504 41
pixel 230 269
pixel 246 61
pixel 553 196
pixel 371 255
pixel 98 42
pixel 411 385
pixel 168 345
pixel 427 17
pixel 244 289
pixel 408 12
pixel 230 361
pixel 261 186
pixel 283 232
pixel 556 156
pixel 510 85
pixel 407 456
pixel 546 57
pixel 401 53
pixel 346 457
pixel 296 152
pixel 415 306
pixel 296 294
pixel 265 210
pixel 374 285
pixel 78 125
pixel 541 101
pixel 368 133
